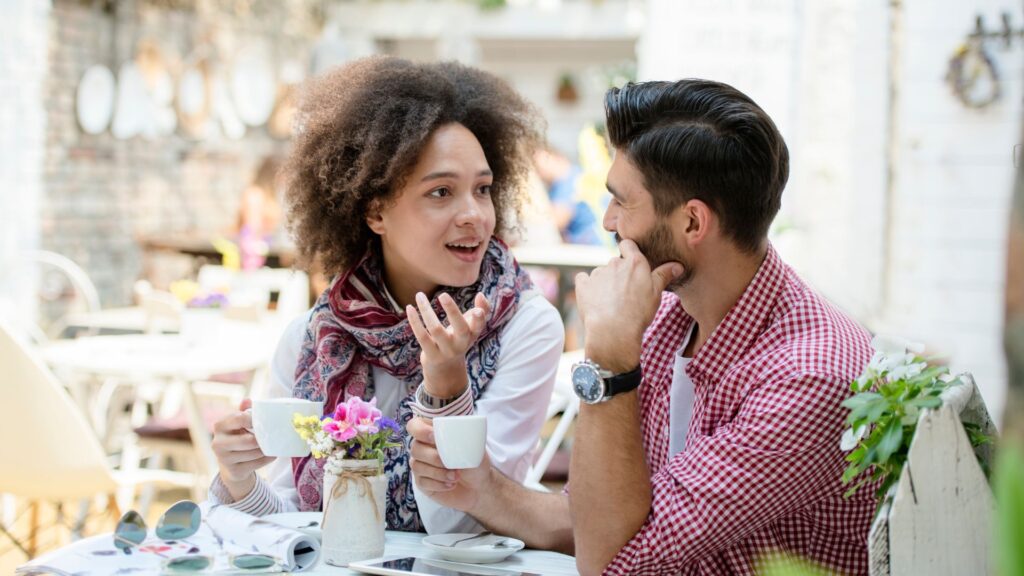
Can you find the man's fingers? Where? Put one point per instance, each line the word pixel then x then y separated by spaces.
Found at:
pixel 429 484
pixel 662 275
pixel 628 248
pixel 425 470
pixel 426 454
pixel 422 430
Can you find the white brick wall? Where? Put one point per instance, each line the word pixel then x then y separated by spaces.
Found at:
pixel 820 68
pixel 953 184
pixel 23 64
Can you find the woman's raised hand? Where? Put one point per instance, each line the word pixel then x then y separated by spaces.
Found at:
pixel 443 347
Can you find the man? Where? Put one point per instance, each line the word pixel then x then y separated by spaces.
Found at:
pixel 576 221
pixel 708 439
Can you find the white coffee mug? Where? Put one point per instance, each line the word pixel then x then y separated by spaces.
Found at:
pixel 272 425
pixel 461 440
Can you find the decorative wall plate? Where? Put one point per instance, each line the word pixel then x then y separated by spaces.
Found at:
pixel 94 100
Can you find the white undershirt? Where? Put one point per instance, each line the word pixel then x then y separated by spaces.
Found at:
pixel 680 400
pixel 515 402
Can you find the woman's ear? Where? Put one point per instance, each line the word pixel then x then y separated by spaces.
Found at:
pixel 374 219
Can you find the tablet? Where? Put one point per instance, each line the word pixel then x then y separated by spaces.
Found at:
pixel 429 567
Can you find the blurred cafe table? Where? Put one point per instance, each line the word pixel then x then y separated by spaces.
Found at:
pixel 281 255
pixel 567 259
pixel 212 346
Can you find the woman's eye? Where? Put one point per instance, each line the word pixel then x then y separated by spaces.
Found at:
pixel 440 193
pixel 485 190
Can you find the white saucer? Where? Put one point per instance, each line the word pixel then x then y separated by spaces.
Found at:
pixel 299 521
pixel 478 551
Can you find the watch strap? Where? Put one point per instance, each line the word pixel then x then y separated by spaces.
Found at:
pixel 621 383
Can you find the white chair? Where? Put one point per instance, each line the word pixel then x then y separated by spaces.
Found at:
pixel 49 452
pixel 55 275
pixel 563 400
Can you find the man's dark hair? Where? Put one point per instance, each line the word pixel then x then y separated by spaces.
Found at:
pixel 705 140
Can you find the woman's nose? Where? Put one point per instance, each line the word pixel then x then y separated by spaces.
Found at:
pixel 470 212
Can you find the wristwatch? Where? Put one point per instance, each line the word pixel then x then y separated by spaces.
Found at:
pixel 594 385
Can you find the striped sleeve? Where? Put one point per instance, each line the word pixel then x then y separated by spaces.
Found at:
pixel 462 405
pixel 261 501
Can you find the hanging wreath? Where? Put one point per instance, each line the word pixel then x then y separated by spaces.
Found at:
pixel 973 76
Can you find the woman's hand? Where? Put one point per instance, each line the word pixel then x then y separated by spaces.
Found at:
pixel 443 347
pixel 238 454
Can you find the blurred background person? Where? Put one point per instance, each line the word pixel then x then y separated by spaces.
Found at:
pixel 259 214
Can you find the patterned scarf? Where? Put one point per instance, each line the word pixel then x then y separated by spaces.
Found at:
pixel 353 326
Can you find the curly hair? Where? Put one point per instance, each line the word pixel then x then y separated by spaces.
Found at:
pixel 360 131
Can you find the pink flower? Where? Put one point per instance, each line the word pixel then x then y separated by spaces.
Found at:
pixel 363 415
pixel 340 430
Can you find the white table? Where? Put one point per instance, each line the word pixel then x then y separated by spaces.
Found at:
pixel 403 544
pixel 564 256
pixel 227 346
pixel 396 545
pixel 567 259
pixel 132 319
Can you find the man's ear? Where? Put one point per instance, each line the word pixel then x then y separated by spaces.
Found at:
pixel 695 220
pixel 374 219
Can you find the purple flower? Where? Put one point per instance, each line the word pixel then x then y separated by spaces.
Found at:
pixel 390 424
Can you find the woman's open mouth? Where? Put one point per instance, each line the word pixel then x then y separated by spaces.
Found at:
pixel 467 251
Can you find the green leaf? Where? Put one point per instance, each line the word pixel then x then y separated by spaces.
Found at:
pixel 892 437
pixel 861 399
pixel 857 454
pixel 926 402
pixel 851 472
pixel 876 409
pixel 1009 489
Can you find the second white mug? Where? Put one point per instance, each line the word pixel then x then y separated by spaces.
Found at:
pixel 461 440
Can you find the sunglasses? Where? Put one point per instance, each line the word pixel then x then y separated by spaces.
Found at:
pixel 192 563
pixel 181 521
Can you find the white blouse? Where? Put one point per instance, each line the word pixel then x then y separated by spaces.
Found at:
pixel 515 403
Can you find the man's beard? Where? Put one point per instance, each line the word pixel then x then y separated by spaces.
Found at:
pixel 657 247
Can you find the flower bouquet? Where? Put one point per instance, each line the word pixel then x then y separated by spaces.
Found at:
pixel 351 441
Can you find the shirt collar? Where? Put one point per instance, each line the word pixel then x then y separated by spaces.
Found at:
pixel 745 321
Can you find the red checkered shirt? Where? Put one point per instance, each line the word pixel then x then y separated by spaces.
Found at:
pixel 760 471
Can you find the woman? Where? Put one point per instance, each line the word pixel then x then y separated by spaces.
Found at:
pixel 399 179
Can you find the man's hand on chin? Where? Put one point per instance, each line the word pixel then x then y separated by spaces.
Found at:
pixel 617 302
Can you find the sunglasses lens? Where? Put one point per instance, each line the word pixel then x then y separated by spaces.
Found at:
pixel 253 561
pixel 130 531
pixel 180 521
pixel 188 564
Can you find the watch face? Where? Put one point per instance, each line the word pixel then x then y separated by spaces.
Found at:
pixel 587 383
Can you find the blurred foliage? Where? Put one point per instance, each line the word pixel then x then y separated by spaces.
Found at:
pixel 1009 530
pixel 780 565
